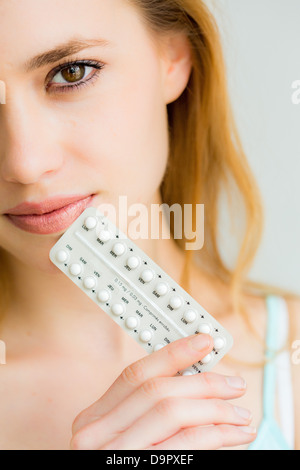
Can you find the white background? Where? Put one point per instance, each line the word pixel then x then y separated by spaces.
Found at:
pixel 262 49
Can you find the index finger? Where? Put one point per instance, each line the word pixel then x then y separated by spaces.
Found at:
pixel 163 363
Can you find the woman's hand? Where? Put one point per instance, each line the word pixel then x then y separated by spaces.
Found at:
pixel 150 408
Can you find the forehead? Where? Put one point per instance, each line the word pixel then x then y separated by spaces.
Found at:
pixel 32 16
pixel 30 27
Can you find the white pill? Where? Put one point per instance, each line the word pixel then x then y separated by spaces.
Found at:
pixel 131 323
pixel 219 343
pixel 206 359
pixel 147 275
pixel 145 336
pixel 158 347
pixel 75 269
pixel 90 223
pixel 103 295
pixel 161 288
pixel 175 302
pixel 204 328
pixel 117 309
pixel 190 316
pixel 61 256
pixel 133 262
pixel 188 372
pixel 89 282
pixel 104 236
pixel 119 249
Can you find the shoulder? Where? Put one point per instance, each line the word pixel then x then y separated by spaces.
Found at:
pixel 294 310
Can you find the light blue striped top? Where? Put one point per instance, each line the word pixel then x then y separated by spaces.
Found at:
pixel 277 383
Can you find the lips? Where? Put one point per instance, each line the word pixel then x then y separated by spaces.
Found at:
pixel 50 216
pixel 50 205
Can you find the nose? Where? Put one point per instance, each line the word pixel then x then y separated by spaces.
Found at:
pixel 27 141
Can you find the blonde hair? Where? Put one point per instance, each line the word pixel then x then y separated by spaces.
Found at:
pixel 206 155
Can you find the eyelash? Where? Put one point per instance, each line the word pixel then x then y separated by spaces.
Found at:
pixel 98 66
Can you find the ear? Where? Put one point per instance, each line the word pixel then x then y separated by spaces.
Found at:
pixel 176 66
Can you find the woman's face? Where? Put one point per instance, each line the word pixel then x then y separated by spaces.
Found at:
pixel 95 129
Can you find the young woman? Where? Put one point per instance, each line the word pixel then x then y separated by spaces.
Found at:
pixel 110 98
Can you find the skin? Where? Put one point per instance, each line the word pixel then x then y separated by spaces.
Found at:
pixel 66 362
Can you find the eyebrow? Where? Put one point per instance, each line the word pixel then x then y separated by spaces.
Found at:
pixel 63 50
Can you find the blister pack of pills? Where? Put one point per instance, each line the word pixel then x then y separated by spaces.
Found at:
pixel 132 289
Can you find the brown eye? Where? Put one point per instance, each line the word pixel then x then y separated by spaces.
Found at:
pixel 73 73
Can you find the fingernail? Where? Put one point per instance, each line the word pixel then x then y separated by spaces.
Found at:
pixel 243 413
pixel 236 382
pixel 248 429
pixel 200 342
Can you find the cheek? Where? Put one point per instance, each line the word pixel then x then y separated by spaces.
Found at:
pixel 122 135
